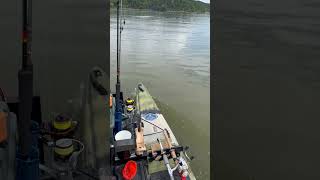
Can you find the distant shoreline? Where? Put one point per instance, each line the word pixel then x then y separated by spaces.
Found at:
pixel 191 6
pixel 168 11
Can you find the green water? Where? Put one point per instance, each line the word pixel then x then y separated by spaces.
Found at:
pixel 169 53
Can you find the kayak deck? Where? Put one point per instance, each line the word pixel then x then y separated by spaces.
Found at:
pixel 155 127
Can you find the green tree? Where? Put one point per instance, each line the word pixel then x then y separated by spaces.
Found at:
pixel 165 5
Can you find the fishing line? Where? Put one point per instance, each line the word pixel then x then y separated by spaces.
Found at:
pixel 153 133
pixel 152 124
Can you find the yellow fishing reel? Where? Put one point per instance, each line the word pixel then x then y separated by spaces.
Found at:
pixel 129 101
pixel 130 108
pixel 62 122
pixel 63 148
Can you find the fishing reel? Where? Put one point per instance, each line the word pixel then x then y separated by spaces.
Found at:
pixel 65 158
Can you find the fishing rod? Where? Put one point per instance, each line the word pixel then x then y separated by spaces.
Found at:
pixel 118 110
pixel 26 34
pixel 25 77
pixel 166 161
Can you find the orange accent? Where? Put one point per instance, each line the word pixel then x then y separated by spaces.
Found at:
pixel 130 170
pixel 3 126
pixel 110 101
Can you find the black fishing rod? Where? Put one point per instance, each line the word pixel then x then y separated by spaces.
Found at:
pixel 118 44
pixel 26 34
pixel 118 113
pixel 25 77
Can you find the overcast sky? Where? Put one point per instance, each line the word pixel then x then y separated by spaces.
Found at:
pixel 206 1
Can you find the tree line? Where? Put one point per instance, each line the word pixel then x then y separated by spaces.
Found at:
pixel 165 5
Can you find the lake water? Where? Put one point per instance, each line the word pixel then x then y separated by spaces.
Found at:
pixel 170 53
pixel 266 103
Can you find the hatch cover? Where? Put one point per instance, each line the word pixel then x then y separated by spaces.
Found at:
pixel 150 116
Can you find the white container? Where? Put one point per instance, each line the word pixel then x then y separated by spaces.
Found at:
pixel 121 135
